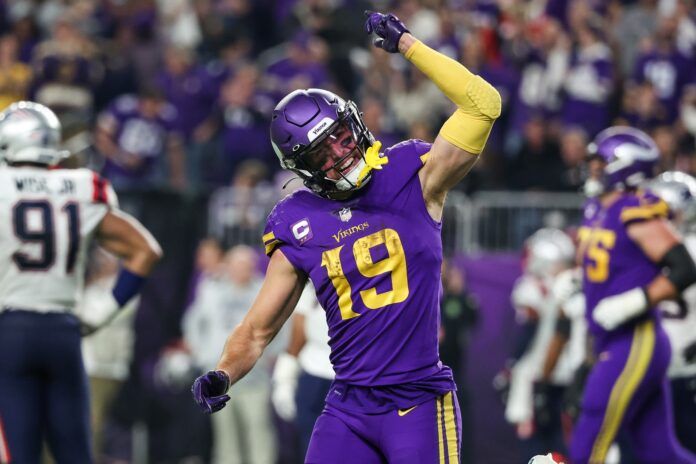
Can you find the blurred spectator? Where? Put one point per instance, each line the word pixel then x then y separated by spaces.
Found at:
pixel 688 112
pixel 667 144
pixel 669 71
pixel 683 10
pixel 374 118
pixel 340 24
pixel 588 82
pixel 244 129
pixel 237 212
pixel 642 108
pixel 537 165
pixel 459 315
pixel 15 76
pixel 22 22
pixel 574 142
pixel 121 74
pixel 67 71
pixel 415 101
pixel 191 89
pixel 107 353
pixel 542 49
pixel 141 149
pixel 178 23
pixel 243 431
pixel 301 66
pixel 632 23
pixel 207 266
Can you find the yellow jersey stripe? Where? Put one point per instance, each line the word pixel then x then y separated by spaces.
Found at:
pixel 451 429
pixel 267 237
pixel 424 157
pixel 657 210
pixel 632 374
pixel 270 246
pixel 440 441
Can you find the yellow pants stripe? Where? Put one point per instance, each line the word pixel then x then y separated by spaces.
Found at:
pixel 440 440
pixel 451 429
pixel 624 389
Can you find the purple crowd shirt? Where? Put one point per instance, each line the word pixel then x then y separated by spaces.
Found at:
pixel 669 73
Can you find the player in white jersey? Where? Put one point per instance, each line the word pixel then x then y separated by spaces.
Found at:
pixel 679 318
pixel 549 251
pixel 48 219
pixel 303 374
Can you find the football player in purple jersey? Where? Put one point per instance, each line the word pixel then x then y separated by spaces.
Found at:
pixel 367 233
pixel 631 260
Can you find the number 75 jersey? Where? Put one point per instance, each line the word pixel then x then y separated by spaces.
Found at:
pixel 47 219
pixel 374 260
pixel 612 262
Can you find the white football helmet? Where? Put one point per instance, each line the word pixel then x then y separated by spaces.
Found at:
pixel 30 133
pixel 678 190
pixel 549 251
pixel 547 459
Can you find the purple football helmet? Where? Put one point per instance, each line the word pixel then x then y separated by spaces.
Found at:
pixel 630 156
pixel 303 122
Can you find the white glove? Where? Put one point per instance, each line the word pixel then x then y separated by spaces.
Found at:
pixel 285 374
pixel 613 311
pixel 96 314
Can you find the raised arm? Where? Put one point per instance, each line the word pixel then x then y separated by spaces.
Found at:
pixel 464 134
pixel 275 302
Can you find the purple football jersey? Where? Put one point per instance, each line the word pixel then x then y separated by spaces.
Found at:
pixel 374 260
pixel 612 262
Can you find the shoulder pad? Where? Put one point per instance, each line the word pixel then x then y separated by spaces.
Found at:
pixel 643 206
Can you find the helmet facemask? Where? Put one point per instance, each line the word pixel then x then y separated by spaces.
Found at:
pixel 347 173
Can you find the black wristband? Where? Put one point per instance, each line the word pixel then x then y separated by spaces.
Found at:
pixel 681 270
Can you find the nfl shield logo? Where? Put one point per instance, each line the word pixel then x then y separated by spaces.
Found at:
pixel 345 214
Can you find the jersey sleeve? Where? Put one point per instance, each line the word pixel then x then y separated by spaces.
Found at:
pixel 102 192
pixel 644 206
pixel 397 178
pixel 272 232
pixel 407 158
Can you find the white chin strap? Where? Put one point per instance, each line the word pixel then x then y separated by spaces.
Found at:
pixel 350 180
pixel 592 188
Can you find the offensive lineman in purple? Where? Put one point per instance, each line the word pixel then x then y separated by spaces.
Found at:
pixel 625 243
pixel 367 233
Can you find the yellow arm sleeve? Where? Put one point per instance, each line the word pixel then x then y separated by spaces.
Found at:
pixel 478 102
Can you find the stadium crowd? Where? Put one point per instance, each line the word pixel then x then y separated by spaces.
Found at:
pixel 170 100
pixel 177 94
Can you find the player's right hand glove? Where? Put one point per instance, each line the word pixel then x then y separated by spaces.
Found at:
pixel 209 391
pixel 387 27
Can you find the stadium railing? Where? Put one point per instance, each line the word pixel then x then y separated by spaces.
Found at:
pixel 489 221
